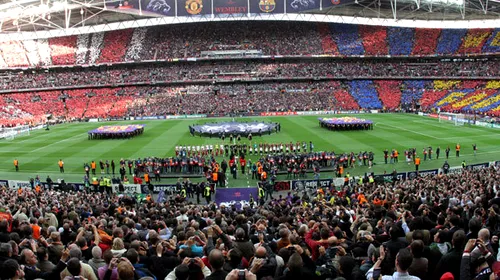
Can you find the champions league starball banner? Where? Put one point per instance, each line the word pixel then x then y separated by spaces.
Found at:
pixel 234 128
pixel 146 7
pixel 295 6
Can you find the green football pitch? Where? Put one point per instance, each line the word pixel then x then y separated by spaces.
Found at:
pixel 39 152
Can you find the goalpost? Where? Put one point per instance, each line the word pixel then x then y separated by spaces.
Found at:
pixel 10 133
pixel 457 119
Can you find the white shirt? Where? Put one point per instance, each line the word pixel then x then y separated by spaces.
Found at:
pixel 395 276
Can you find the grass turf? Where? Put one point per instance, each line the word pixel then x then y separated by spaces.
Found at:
pixel 39 152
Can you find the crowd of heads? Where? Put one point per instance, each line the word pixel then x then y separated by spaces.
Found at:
pixel 187 72
pixel 429 227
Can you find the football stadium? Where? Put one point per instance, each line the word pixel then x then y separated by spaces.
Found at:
pixel 249 139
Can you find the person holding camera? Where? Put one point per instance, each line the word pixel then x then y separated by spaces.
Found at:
pixel 189 269
pixel 403 262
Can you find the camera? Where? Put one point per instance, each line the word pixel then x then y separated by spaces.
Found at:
pixel 241 274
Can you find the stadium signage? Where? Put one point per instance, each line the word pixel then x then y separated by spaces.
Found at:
pixel 4 184
pixel 13 184
pixel 267 6
pixel 455 170
pixel 194 7
pixel 389 177
pixel 270 114
pixel 127 188
pixel 311 184
pixel 302 5
pixel 478 166
pixel 424 173
pixel 168 189
pixel 230 6
pixel 177 117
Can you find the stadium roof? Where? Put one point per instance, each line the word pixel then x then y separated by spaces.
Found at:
pixel 33 19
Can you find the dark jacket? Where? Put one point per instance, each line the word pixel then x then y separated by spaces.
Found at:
pixel 217 275
pixel 449 263
pixel 31 273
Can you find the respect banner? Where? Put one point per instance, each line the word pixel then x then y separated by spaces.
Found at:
pixel 311 184
pixel 127 188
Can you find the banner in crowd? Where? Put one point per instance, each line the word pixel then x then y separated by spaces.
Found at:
pixel 230 7
pixel 311 184
pixel 161 197
pixel 127 188
pixel 14 184
pixel 231 195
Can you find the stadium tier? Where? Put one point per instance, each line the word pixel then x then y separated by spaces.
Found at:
pixel 254 70
pixel 297 39
pixel 478 96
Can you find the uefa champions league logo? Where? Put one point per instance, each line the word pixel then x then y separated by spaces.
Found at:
pixel 297 4
pixel 159 6
pixel 234 127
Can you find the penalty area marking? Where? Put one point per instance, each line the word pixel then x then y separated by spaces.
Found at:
pixel 60 141
pixel 423 134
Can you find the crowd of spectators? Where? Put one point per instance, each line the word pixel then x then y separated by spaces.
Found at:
pixel 293 39
pixel 439 227
pixel 253 98
pixel 209 71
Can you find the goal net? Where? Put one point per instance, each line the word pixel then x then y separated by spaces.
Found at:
pixel 456 119
pixel 10 133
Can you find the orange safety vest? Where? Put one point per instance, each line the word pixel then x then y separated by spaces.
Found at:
pixel 457 148
pixel 60 163
pixel 36 231
pixel 264 175
pixel 341 170
pixel 146 177
pixel 16 162
pixel 38 189
pixel 417 161
pixel 92 165
pixel 19 191
pixel 215 176
pixel 260 170
pixel 362 199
